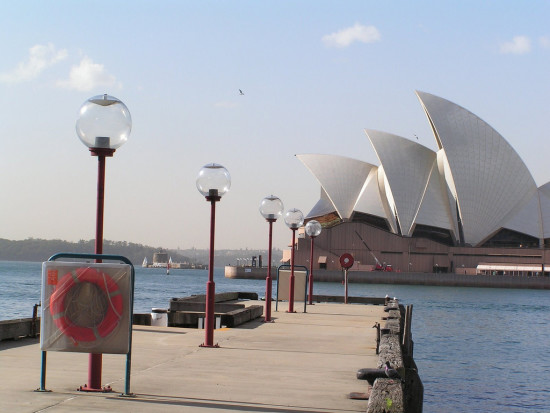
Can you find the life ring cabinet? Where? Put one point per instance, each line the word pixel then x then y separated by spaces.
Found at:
pixel 85 307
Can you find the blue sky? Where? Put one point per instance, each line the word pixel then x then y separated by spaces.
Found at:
pixel 314 74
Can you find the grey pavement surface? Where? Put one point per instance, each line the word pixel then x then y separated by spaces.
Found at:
pixel 303 362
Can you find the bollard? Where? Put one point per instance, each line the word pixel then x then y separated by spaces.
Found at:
pixel 377 326
pixel 34 329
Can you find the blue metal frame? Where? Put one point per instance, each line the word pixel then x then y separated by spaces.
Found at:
pixel 131 323
pixel 285 266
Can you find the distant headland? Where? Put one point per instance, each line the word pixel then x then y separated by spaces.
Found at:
pixel 38 250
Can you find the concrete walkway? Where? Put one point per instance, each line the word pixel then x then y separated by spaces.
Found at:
pixel 303 362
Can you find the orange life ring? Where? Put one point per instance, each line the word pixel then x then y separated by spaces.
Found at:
pixel 114 308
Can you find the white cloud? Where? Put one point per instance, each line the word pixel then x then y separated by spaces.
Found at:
pixel 87 76
pixel 40 57
pixel 544 42
pixel 518 45
pixel 357 33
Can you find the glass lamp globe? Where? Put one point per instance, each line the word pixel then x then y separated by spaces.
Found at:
pixel 294 218
pixel 271 208
pixel 313 228
pixel 213 180
pixel 103 122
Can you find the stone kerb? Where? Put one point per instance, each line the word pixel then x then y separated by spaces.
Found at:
pixel 391 395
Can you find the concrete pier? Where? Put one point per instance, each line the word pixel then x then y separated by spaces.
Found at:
pixel 407 278
pixel 301 362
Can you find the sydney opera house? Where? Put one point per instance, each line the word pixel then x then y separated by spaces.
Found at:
pixel 470 203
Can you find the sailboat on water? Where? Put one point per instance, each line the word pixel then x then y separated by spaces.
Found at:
pixel 168 265
pixel 145 264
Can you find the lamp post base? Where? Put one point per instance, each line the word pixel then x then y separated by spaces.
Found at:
pixel 268 287
pixel 209 313
pixel 104 389
pixel 291 291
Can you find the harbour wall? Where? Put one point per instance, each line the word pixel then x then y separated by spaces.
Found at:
pixel 19 328
pixel 405 278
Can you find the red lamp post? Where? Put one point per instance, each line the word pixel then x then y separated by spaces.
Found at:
pixel 313 229
pixel 271 209
pixel 103 126
pixel 294 219
pixel 213 182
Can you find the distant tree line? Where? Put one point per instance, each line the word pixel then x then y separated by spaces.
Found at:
pixel 33 249
pixel 38 250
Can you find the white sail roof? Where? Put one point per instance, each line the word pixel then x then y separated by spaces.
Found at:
pixel 544 198
pixel 436 209
pixel 526 216
pixel 370 200
pixel 322 207
pixel 488 175
pixel 474 185
pixel 407 166
pixel 342 178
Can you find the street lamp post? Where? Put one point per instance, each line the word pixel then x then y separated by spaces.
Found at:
pixel 271 209
pixel 213 182
pixel 294 220
pixel 104 125
pixel 313 229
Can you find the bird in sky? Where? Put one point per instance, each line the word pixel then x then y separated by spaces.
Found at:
pixel 241 92
pixel 392 373
pixel 416 136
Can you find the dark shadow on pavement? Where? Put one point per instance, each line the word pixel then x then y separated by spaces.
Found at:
pixel 220 404
pixel 26 341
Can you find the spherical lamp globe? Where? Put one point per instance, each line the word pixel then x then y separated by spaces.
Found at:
pixel 313 228
pixel 213 180
pixel 294 218
pixel 271 208
pixel 104 122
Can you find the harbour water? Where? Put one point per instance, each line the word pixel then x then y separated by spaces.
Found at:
pixel 477 350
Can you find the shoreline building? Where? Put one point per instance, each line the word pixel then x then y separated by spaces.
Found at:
pixel 471 201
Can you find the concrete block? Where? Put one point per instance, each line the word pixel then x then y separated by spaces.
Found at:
pixel 393 325
pixel 394 314
pixel 248 296
pixel 184 318
pixel 386 396
pixel 200 306
pixel 15 329
pixel 238 317
pixel 142 319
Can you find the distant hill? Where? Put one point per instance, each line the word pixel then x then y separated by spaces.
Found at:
pixel 33 249
pixel 38 250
